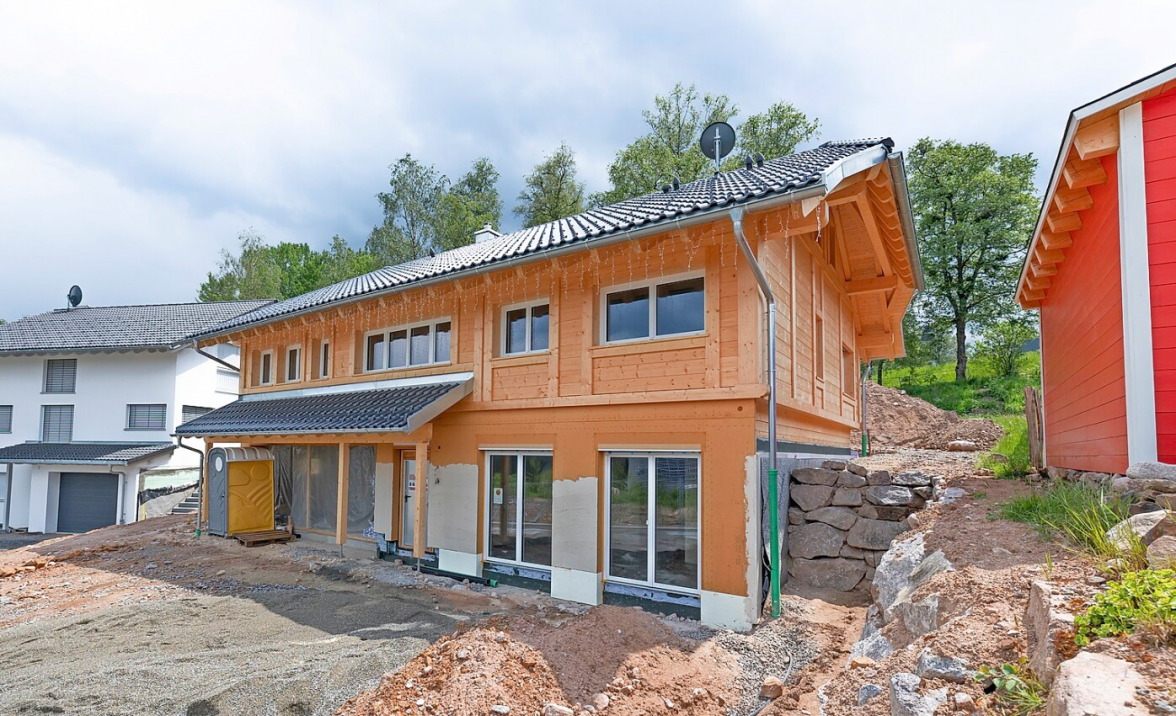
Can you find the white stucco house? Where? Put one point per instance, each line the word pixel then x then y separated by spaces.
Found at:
pixel 89 400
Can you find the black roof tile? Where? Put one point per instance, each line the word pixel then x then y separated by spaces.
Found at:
pixel 81 453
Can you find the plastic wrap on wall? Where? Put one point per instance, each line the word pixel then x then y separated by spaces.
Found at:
pixel 283 482
pixel 324 487
pixel 361 491
pixel 299 485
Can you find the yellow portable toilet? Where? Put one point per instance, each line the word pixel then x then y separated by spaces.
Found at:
pixel 240 490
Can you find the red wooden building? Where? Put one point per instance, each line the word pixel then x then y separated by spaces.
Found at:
pixel 1101 269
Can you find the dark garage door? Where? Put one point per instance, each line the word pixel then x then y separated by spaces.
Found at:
pixel 87 501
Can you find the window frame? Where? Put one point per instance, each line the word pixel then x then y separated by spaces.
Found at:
pixel 45 377
pixel 187 408
pixel 261 368
pixel 225 373
pixel 529 306
pixel 408 328
pixel 44 411
pixel 162 424
pixel 652 285
pixel 651 536
pixel 848 370
pixel 10 410
pixel 520 456
pixel 296 348
pixel 324 357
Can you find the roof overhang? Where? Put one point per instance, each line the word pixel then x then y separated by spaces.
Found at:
pixel 58 350
pixel 1103 109
pixel 95 453
pixel 829 180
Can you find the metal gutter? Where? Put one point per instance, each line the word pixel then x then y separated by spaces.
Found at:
pixel 196 347
pixel 203 487
pixel 906 217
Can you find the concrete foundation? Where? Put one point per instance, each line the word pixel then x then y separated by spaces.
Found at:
pixel 577 586
pixel 729 611
pixel 459 562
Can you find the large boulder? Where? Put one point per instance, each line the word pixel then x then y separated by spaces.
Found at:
pixel 919 618
pixel 1161 554
pixel 894 570
pixel 815 475
pixel 847 497
pixel 1096 684
pixel 1045 621
pixel 1164 528
pixel 881 512
pixel 849 479
pixel 840 517
pixel 874 534
pixel 944 668
pixel 962 446
pixel 905 699
pixel 838 574
pixel 925 612
pixel 911 478
pixel 1139 525
pixel 1152 471
pixel 810 497
pixel 891 495
pixel 815 539
pixel 878 477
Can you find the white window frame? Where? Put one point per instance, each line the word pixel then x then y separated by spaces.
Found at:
pixel 520 455
pixel 261 368
pixel 529 306
pixel 325 356
pixel 651 545
pixel 652 285
pixel 162 425
pixel 408 329
pixel 296 348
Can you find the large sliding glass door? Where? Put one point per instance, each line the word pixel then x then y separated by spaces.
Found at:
pixel 652 521
pixel 518 514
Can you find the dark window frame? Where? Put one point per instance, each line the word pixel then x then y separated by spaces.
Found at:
pixel 651 288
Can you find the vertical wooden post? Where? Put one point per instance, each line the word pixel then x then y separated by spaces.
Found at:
pixel 341 506
pixel 1033 419
pixel 422 494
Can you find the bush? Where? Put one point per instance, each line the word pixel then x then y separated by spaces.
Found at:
pixel 985 392
pixel 1014 445
pixel 1143 600
pixel 1015 688
pixel 1001 345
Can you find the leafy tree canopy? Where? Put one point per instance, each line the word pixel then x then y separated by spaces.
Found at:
pixel 551 191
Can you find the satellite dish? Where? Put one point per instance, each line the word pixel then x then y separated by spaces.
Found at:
pixel 74 296
pixel 717 141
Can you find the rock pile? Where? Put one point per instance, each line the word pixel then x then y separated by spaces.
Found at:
pixel 842 519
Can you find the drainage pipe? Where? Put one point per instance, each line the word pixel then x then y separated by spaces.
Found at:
pixel 865 433
pixel 203 487
pixel 773 488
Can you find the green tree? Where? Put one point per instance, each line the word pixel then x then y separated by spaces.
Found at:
pixel 974 210
pixel 341 262
pixel 469 205
pixel 776 132
pixel 551 191
pixel 410 206
pixel 1003 341
pixel 300 269
pixel 254 273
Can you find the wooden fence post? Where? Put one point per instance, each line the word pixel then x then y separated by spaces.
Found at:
pixel 1033 419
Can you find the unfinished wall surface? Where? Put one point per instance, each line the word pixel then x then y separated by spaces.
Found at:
pixel 452 507
pixel 1082 344
pixel 575 517
pixel 1159 147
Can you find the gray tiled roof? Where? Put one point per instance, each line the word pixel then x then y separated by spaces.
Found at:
pixel 381 410
pixel 158 326
pixel 777 176
pixel 81 453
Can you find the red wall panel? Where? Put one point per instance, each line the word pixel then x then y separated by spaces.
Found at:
pixel 1082 344
pixel 1159 151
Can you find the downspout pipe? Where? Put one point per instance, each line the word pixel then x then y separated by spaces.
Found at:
pixel 196 347
pixel 773 488
pixel 203 487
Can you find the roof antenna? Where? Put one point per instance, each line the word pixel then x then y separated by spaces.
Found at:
pixel 74 296
pixel 748 162
pixel 676 183
pixel 717 141
pixel 759 159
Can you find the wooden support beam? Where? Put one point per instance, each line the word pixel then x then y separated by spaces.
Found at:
pixel 871 285
pixel 875 341
pixel 421 498
pixel 1098 139
pixel 1032 295
pixel 1044 256
pixel 1030 305
pixel 341 504
pixel 1046 269
pixel 1079 173
pixel 1067 200
pixel 1063 222
pixel 1052 241
pixel 1037 282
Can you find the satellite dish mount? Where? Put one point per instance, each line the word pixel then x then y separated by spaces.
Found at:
pixel 717 141
pixel 74 296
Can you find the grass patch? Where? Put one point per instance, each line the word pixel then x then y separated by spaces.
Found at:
pixel 983 393
pixel 1018 691
pixel 1079 516
pixel 1010 457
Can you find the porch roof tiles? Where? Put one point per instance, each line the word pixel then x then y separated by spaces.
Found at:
pixel 97 453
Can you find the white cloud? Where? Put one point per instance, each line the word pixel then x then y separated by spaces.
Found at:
pixel 138 139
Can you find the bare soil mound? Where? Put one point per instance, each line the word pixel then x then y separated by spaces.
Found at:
pixel 897 420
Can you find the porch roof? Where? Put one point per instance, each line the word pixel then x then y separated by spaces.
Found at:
pixel 383 407
pixel 95 453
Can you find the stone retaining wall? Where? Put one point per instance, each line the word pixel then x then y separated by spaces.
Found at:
pixel 842 519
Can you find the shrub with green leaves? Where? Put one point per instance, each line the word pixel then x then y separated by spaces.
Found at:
pixel 1143 599
pixel 1016 688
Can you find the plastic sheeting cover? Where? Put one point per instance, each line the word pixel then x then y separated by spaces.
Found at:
pixel 361 491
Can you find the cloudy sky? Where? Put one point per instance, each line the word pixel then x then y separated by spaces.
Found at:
pixel 137 141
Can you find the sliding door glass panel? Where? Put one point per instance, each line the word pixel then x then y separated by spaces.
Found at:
pixel 628 548
pixel 418 353
pixel 537 509
pixel 324 487
pixel 300 492
pixel 675 507
pixel 399 349
pixel 680 307
pixel 361 491
pixel 516 331
pixel 503 516
pixel 441 343
pixel 539 315
pixel 627 315
pixel 376 359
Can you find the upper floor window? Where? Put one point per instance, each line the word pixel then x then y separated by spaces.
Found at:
pixel 147 416
pixel 57 423
pixel 61 375
pixel 293 364
pixel 419 345
pixel 654 310
pixel 525 329
pixel 324 366
pixel 266 372
pixel 5 418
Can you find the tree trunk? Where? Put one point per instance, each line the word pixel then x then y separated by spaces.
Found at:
pixel 961 352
